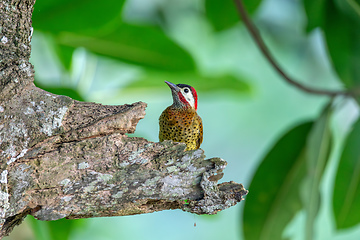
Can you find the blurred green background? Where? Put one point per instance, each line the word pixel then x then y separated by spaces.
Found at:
pixel 289 148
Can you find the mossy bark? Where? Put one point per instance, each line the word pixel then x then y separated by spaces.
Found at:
pixel 60 158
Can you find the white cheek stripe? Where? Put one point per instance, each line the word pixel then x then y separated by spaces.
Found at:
pixel 189 98
pixel 190 101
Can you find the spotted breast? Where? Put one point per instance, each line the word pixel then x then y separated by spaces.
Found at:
pixel 181 125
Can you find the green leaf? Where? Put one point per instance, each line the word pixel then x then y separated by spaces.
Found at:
pixel 343 42
pixel 143 45
pixel 350 8
pixel 75 15
pixel 97 26
pixel 223 14
pixel 315 12
pixel 65 54
pixel 61 91
pixel 274 197
pixel 61 229
pixel 346 196
pixel 340 21
pixel 39 228
pixel 318 148
pixel 155 80
pixel 54 230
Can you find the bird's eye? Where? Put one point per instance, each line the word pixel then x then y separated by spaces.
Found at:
pixel 186 90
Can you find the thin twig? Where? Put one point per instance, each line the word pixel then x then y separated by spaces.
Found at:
pixel 260 43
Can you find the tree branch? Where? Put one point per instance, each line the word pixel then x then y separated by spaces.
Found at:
pixel 77 162
pixel 263 48
pixel 61 158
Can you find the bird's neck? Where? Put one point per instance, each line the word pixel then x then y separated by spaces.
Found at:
pixel 180 107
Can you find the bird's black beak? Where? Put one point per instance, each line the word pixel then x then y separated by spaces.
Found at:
pixel 172 86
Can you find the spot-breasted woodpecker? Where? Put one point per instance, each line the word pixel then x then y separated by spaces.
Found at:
pixel 180 121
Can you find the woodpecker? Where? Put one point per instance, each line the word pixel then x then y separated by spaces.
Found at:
pixel 180 121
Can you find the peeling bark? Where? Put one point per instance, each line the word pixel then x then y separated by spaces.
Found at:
pixel 61 158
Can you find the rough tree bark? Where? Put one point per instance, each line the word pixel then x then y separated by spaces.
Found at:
pixel 62 158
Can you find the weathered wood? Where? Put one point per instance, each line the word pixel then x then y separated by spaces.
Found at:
pixel 76 161
pixel 61 158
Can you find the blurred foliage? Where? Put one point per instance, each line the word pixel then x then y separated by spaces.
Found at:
pixel 340 21
pixel 65 54
pixel 274 196
pixel 153 48
pixel 343 41
pixel 54 230
pixel 346 195
pixel 80 16
pixel 200 83
pixel 223 14
pixel 318 148
pixel 288 180
pixel 99 28
pixel 61 91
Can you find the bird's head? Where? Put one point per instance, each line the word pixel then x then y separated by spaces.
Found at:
pixel 184 96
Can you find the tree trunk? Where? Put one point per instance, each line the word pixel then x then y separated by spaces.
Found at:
pixel 61 158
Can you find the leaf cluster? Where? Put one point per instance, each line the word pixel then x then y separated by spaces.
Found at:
pixel 102 29
pixel 289 177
